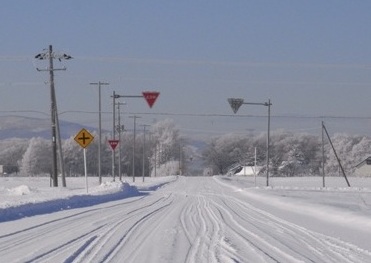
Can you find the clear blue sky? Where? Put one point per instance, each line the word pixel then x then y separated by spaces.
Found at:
pixel 311 58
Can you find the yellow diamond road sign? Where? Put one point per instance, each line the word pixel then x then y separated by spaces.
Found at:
pixel 84 138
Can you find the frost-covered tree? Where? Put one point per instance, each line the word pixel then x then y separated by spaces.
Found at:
pixel 361 151
pixel 11 153
pixel 351 150
pixel 224 151
pixel 290 154
pixel 297 153
pixel 37 158
pixel 166 144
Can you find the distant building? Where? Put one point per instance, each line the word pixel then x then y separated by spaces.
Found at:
pixel 363 168
pixel 8 169
pixel 249 170
pixel 244 170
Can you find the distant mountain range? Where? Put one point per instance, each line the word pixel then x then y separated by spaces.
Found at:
pixel 27 127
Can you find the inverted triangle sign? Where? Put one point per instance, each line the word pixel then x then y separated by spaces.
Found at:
pixel 235 104
pixel 150 97
pixel 113 143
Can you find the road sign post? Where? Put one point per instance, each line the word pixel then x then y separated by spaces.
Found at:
pixel 113 143
pixel 236 103
pixel 84 138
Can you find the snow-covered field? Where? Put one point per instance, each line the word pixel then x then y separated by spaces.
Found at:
pixel 185 219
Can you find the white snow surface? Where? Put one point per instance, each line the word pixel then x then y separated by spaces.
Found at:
pixel 185 219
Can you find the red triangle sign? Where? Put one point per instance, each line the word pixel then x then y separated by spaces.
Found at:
pixel 150 97
pixel 113 143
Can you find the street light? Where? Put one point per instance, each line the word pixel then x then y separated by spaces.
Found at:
pixel 236 103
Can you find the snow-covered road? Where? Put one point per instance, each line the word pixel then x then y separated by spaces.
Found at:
pixel 193 219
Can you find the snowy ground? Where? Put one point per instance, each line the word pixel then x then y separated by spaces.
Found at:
pixel 180 219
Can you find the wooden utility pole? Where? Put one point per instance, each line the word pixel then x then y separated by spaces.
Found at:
pixel 53 110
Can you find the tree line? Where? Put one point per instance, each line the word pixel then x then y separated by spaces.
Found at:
pixel 291 154
pixel 165 152
pixel 160 149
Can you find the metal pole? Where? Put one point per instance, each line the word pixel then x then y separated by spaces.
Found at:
pixel 268 139
pixel 323 157
pixel 100 128
pixel 113 136
pixel 180 160
pixel 144 150
pixel 99 134
pixel 156 159
pixel 119 130
pixel 133 161
pixel 86 172
pixel 255 168
pixel 133 168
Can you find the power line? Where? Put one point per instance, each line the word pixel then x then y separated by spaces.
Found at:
pixel 251 115
pixel 202 114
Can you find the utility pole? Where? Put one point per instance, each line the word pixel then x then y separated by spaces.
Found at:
pixel 180 159
pixel 59 144
pixel 144 148
pixel 53 108
pixel 100 128
pixel 114 97
pixel 120 128
pixel 323 156
pixel 155 158
pixel 133 163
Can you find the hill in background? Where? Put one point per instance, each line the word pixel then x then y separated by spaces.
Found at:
pixel 27 127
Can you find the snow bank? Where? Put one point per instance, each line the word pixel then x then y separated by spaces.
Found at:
pixel 25 196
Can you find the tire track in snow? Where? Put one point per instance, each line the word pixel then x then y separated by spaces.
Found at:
pixel 132 233
pixel 205 232
pixel 84 233
pixel 290 237
pixel 111 237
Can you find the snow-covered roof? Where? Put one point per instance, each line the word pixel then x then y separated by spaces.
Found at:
pixel 249 170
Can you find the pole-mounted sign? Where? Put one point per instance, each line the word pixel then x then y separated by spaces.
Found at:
pixel 150 97
pixel 113 144
pixel 235 104
pixel 84 138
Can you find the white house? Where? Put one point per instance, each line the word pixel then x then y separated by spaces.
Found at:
pixel 249 170
pixel 363 168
